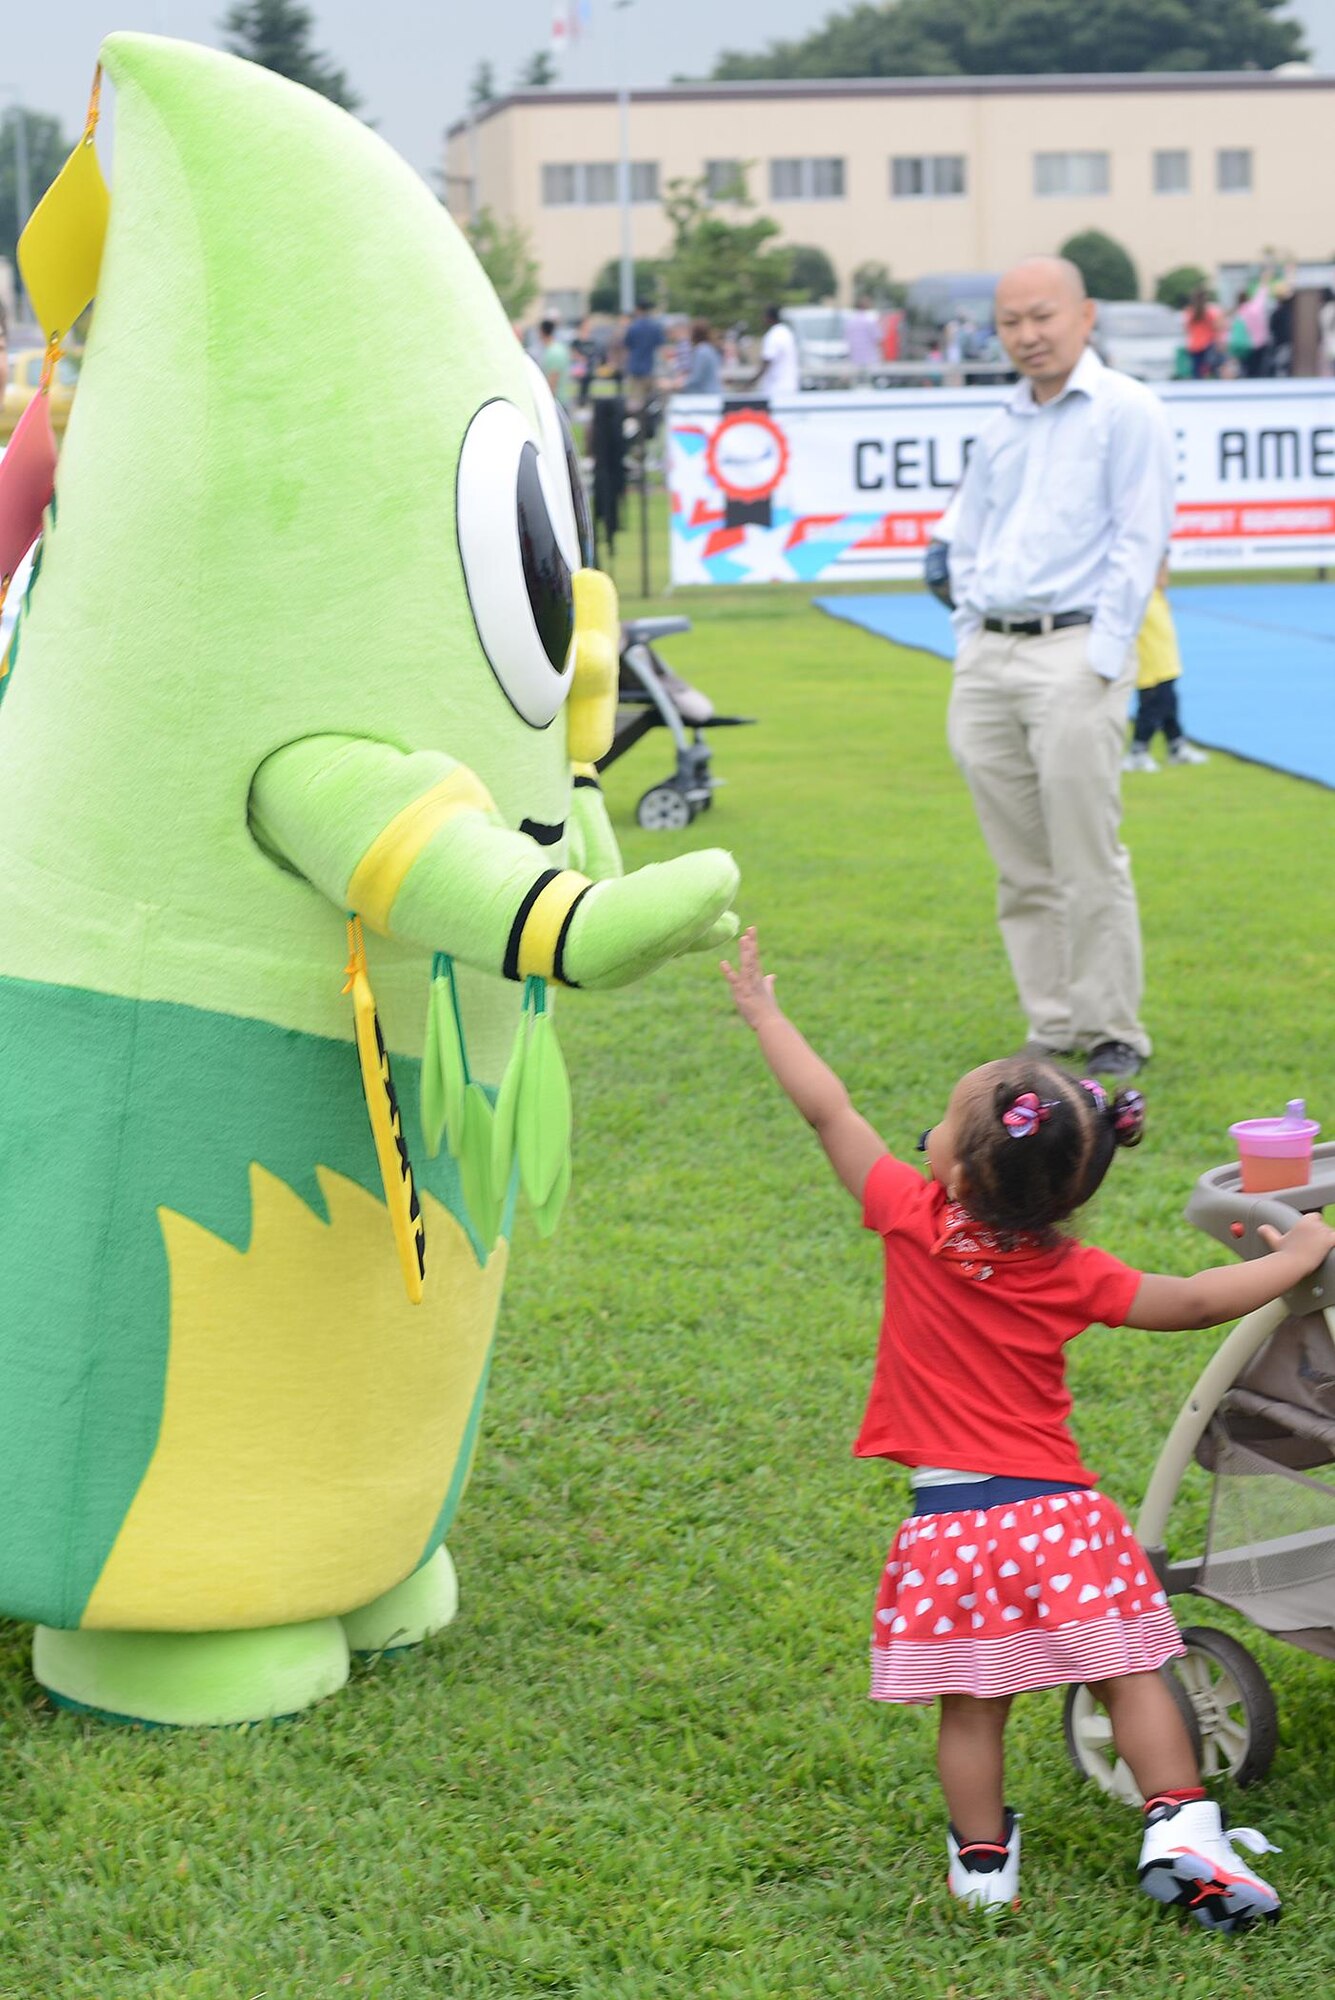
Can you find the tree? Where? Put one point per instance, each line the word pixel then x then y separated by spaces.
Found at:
pixel 811 275
pixel 1176 286
pixel 873 281
pixel 505 252
pixel 277 35
pixel 482 88
pixel 538 73
pixel 1030 37
pixel 723 272
pixel 47 150
pixel 1103 264
pixel 605 291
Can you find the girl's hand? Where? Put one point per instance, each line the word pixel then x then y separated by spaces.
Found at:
pixel 752 987
pixel 1309 1242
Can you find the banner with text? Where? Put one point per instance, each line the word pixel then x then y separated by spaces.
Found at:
pixel 845 485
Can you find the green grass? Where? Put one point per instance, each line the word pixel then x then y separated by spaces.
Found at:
pixel 642 1763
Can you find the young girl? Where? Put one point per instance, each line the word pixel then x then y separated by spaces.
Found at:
pixel 1012 1571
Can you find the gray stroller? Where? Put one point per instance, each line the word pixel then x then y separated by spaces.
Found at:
pixel 651 696
pixel 1261 1421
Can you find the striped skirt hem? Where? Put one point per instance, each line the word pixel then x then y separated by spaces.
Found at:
pixel 1084 1650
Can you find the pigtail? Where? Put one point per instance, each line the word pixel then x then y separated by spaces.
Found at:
pixel 1127 1116
pixel 1124 1116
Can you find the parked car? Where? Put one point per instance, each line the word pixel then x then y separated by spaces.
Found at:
pixel 823 359
pixel 932 303
pixel 25 372
pixel 1138 337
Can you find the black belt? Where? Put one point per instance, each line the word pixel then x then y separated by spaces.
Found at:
pixel 1034 628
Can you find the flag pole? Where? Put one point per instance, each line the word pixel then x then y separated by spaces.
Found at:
pixel 623 166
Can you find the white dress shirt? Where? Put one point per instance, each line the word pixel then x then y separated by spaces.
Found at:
pixel 1067 506
pixel 778 351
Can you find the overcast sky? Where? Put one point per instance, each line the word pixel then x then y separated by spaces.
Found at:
pixel 411 59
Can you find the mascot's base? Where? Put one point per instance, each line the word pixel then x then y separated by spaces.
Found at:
pixel 192 1680
pixel 423 1603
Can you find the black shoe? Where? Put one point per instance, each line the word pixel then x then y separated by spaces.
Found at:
pixel 1115 1059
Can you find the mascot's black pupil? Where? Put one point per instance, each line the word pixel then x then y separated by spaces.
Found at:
pixel 546 571
pixel 583 519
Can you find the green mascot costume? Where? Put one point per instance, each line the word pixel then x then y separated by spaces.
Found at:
pixel 300 826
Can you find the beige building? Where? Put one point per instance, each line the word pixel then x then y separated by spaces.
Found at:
pixel 922 174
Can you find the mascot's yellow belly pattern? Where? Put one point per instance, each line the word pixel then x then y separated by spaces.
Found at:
pixel 312 1417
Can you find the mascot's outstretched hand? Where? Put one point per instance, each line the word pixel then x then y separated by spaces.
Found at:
pixel 413 843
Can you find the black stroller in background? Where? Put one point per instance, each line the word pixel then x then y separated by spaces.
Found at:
pixel 651 696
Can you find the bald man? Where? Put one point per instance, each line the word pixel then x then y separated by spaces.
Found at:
pixel 1059 527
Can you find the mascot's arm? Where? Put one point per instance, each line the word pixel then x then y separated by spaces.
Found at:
pixel 413 843
pixel 593 845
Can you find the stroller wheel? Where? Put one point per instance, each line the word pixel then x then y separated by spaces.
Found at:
pixel 1089 1738
pixel 1233 1704
pixel 664 809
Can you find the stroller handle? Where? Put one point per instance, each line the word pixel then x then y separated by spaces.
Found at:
pixel 1220 1208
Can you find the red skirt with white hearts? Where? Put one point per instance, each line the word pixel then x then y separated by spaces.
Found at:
pixel 1028 1594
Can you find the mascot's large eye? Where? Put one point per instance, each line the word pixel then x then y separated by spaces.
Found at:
pixel 517 541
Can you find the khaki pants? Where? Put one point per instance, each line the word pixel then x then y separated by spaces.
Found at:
pixel 1039 737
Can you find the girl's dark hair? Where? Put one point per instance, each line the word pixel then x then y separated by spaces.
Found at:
pixel 1034 1179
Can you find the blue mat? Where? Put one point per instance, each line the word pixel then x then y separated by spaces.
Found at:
pixel 1258 664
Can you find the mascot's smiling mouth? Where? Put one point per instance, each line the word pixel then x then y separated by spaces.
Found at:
pixel 545 834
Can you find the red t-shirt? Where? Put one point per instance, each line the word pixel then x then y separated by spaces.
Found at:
pixel 970 1371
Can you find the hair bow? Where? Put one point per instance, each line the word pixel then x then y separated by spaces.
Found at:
pixel 1027 1114
pixel 1096 1091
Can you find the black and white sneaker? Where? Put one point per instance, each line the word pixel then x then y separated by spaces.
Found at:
pixel 1187 1858
pixel 986 1873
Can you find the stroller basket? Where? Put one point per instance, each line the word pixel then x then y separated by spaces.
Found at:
pixel 1270 1551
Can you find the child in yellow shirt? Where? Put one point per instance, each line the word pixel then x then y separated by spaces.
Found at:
pixel 1159 666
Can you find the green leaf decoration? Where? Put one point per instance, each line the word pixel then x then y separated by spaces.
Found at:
pixel 507 1104
pixel 542 1114
pixel 431 1089
pixel 546 1218
pixel 474 1157
pixel 451 1071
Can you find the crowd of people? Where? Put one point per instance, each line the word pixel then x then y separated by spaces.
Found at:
pixel 647 356
pixel 643 353
pixel 1255 339
pixel 650 353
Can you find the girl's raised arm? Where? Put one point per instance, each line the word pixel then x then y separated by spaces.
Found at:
pixel 851 1144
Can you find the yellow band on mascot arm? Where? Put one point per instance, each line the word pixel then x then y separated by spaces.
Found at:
pixel 381 872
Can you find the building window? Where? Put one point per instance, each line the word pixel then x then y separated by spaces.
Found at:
pixel 593 183
pixel 914 176
pixel 806 180
pixel 558 186
pixel 1071 173
pixel 1172 173
pixel 725 180
pixel 1233 170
